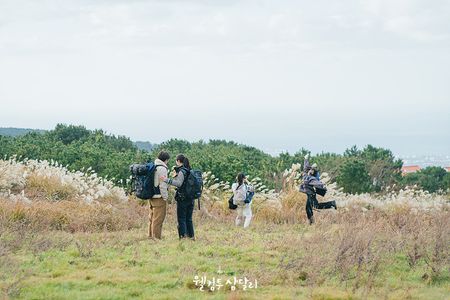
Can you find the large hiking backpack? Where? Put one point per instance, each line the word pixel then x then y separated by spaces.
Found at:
pixel 143 180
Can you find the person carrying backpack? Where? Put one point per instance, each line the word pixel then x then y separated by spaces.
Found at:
pixel 242 196
pixel 185 201
pixel 158 202
pixel 311 186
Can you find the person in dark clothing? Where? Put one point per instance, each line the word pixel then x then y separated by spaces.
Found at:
pixel 311 182
pixel 185 206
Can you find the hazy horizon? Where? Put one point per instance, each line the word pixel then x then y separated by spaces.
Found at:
pixel 275 75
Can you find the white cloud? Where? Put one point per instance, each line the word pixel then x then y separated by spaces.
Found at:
pixel 278 65
pixel 419 20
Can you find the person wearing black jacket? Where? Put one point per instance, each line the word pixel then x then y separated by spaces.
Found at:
pixel 311 183
pixel 185 206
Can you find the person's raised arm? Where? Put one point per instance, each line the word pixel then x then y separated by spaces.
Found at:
pixel 177 181
pixel 306 164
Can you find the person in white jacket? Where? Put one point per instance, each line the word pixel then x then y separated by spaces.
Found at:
pixel 158 203
pixel 242 194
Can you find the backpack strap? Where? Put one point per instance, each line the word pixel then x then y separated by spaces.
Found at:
pixel 185 173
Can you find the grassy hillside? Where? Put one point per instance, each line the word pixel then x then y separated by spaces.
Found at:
pixel 73 235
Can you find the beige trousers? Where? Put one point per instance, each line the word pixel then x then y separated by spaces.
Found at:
pixel 156 216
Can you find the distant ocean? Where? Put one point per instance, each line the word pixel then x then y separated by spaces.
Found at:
pixel 426 160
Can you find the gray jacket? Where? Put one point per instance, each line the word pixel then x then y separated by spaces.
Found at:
pixel 177 181
pixel 309 183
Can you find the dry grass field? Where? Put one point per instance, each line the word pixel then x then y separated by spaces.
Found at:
pixel 66 235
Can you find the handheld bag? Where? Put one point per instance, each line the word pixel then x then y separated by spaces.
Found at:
pixel 321 191
pixel 231 205
pixel 143 179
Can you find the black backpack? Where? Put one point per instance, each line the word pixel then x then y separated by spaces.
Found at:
pixel 143 180
pixel 192 187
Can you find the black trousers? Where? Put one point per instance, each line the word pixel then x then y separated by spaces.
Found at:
pixel 185 208
pixel 312 202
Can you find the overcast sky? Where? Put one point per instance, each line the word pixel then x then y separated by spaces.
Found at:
pixel 278 75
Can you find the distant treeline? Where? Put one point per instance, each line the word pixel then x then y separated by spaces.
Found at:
pixel 11 131
pixel 370 169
